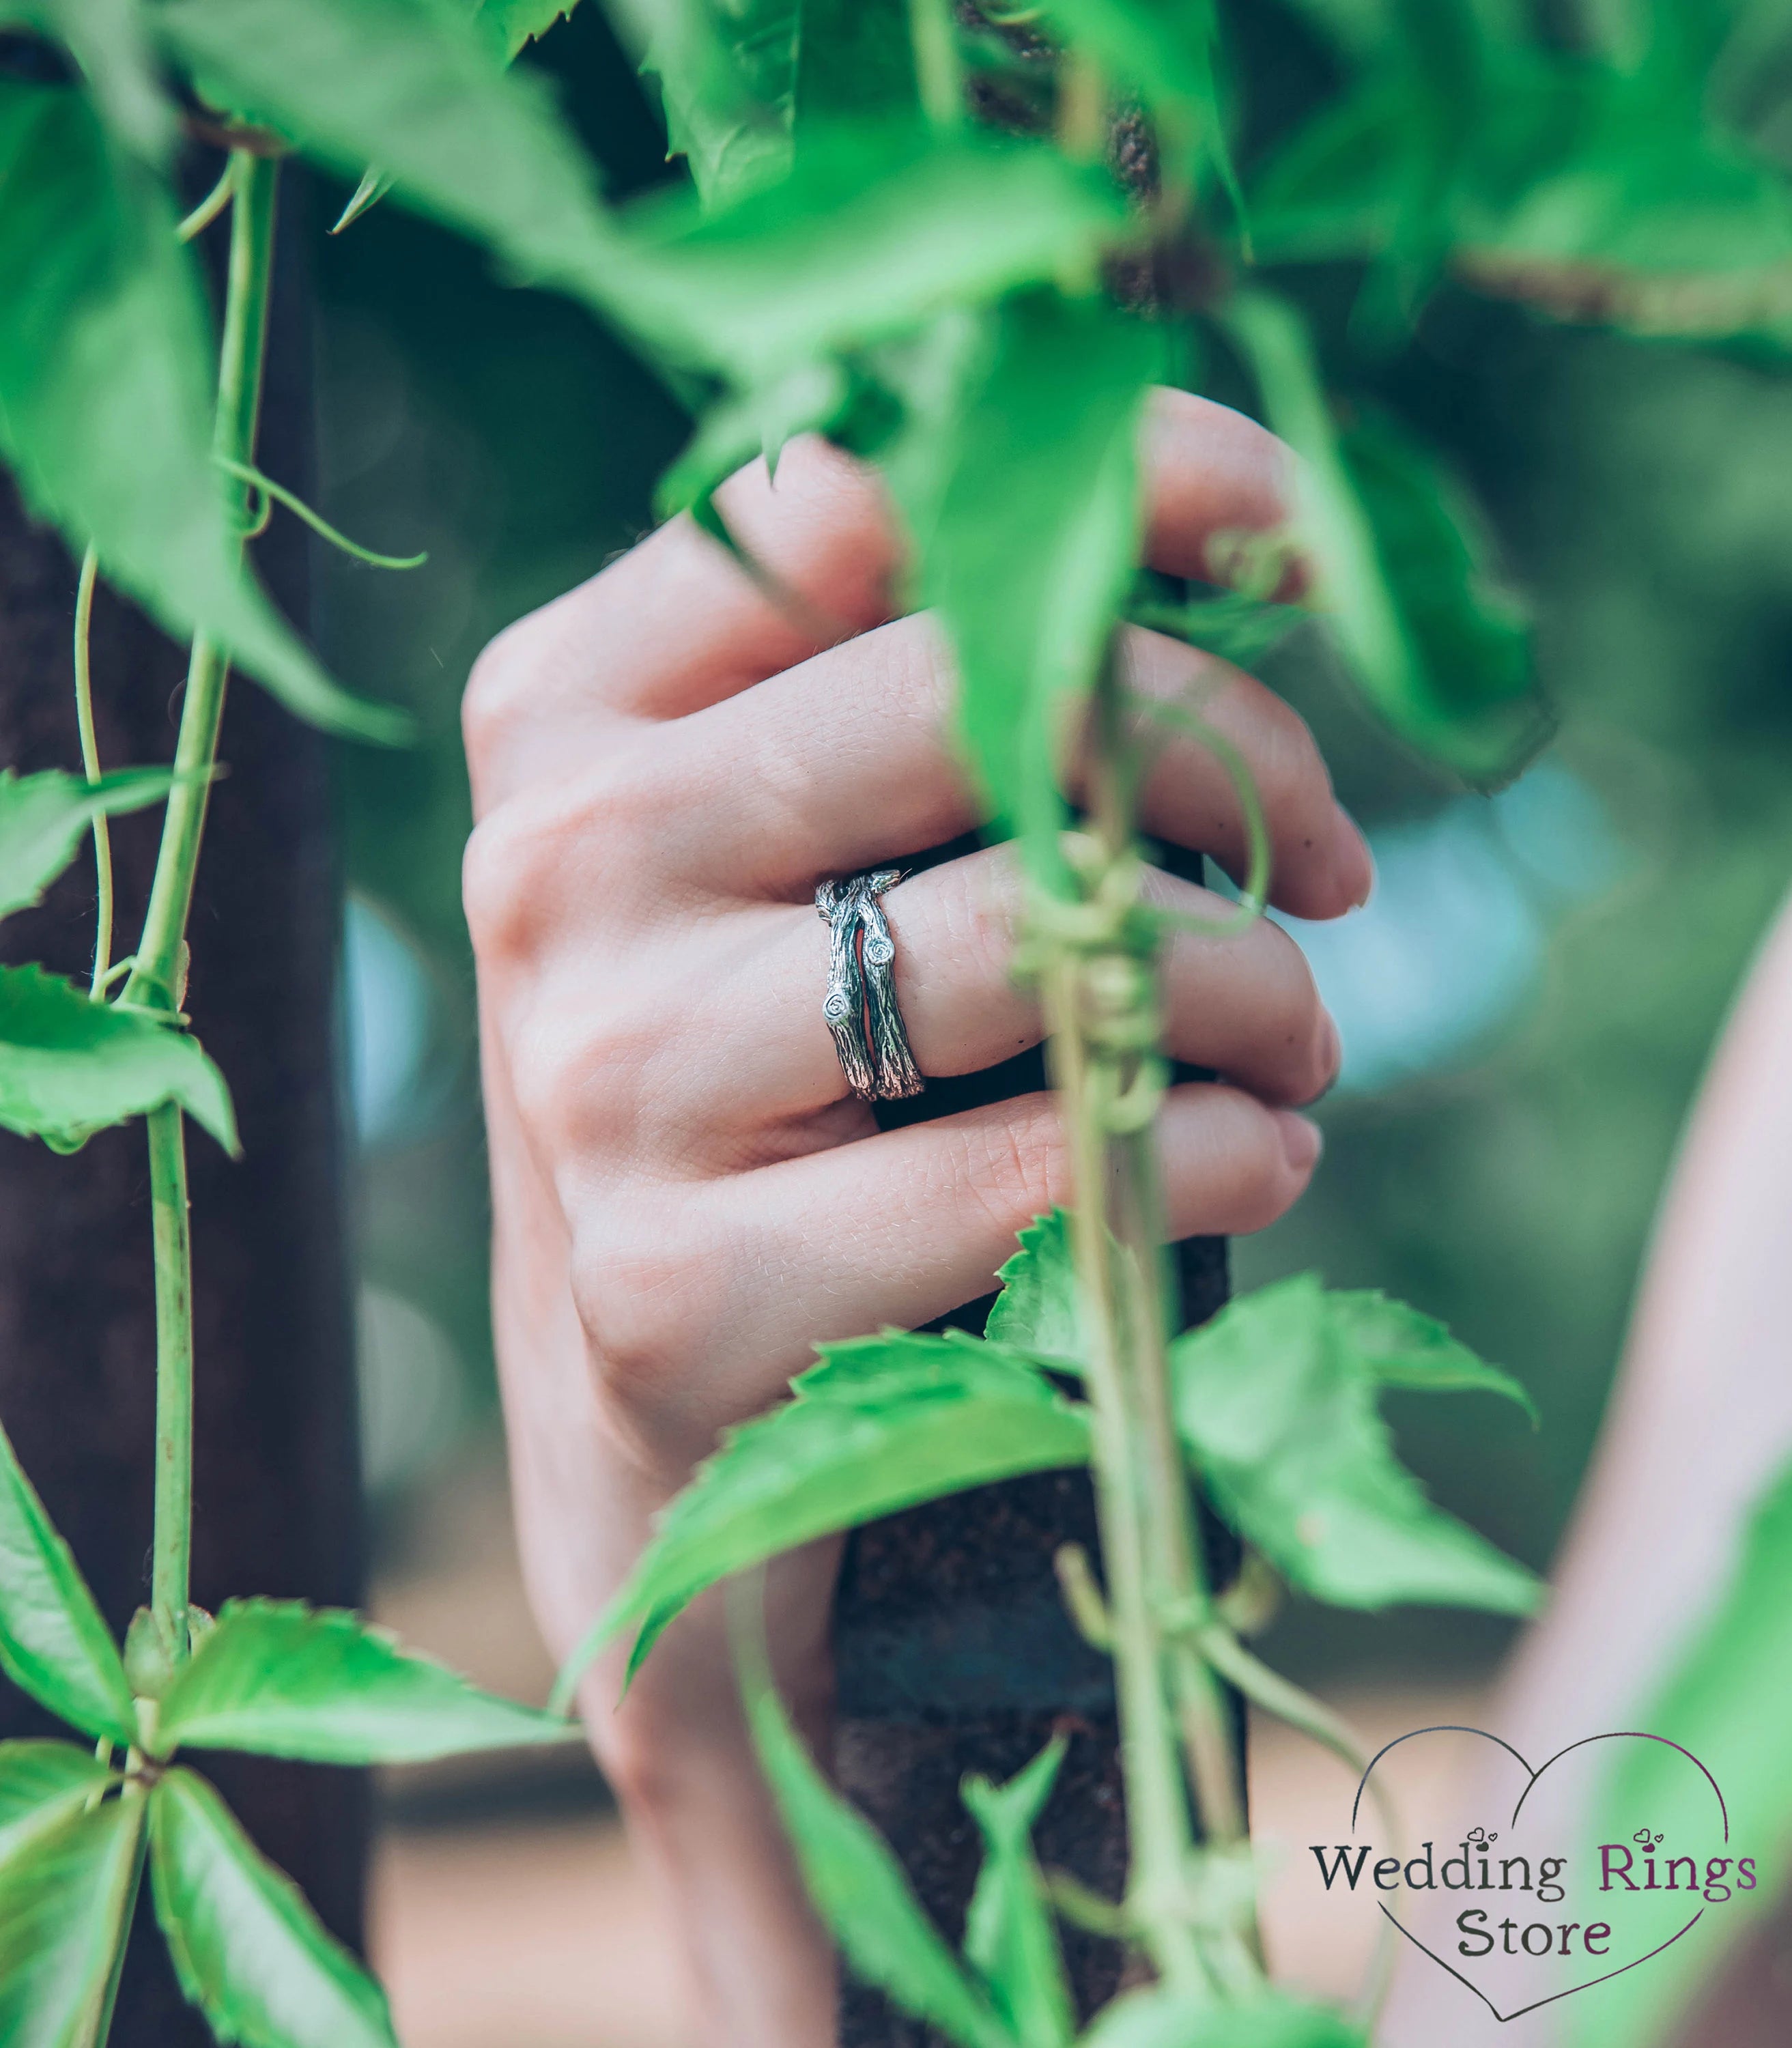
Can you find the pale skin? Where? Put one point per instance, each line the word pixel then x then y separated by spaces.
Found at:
pixel 665 764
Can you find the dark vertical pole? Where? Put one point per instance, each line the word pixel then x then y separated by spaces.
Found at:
pixel 276 1478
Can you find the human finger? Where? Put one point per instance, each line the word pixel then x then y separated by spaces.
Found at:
pixel 749 1272
pixel 848 762
pixel 1241 1002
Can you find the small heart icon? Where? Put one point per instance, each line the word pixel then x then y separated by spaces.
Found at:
pixel 1521 1917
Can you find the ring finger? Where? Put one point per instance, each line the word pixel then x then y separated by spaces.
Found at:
pixel 1241 1003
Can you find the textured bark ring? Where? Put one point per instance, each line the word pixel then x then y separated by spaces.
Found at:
pixel 860 1008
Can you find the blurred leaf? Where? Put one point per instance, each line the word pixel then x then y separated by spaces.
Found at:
pixel 1436 653
pixel 881 1424
pixel 1404 1348
pixel 1238 629
pixel 1038 1310
pixel 727 74
pixel 856 61
pixel 877 228
pixel 1725 1702
pixel 53 1643
pixel 1334 189
pixel 1163 50
pixel 1609 173
pixel 519 22
pixel 414 87
pixel 64 1906
pixel 1157 2019
pixel 40 1784
pixel 105 385
pixel 44 818
pixel 1010 1933
pixel 248 1950
pixel 1029 527
pixel 858 1889
pixel 736 431
pixel 1470 639
pixel 283 1679
pixel 108 40
pixel 1276 1403
pixel 70 1066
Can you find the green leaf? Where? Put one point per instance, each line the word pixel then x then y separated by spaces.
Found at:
pixel 1725 1702
pixel 810 398
pixel 1335 189
pixel 70 1066
pixel 1156 2018
pixel 248 1950
pixel 1404 1348
pixel 53 1643
pixel 727 74
pixel 108 40
pixel 881 1424
pixel 516 23
pixel 43 817
pixel 1437 655
pixel 1163 50
pixel 1276 1404
pixel 65 1903
pixel 1239 628
pixel 1010 1935
pixel 855 62
pixel 878 227
pixel 283 1679
pixel 105 370
pixel 1028 520
pixel 1470 639
pixel 858 1888
pixel 1039 1310
pixel 41 1783
pixel 417 88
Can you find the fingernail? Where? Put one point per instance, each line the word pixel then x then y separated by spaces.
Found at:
pixel 1356 863
pixel 1300 1140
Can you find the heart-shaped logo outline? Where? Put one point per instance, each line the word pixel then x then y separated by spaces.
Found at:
pixel 1611 1735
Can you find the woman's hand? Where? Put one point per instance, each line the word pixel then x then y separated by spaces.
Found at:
pixel 687 1199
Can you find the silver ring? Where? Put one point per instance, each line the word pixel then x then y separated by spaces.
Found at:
pixel 860 1008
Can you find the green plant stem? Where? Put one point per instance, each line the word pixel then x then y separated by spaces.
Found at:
pixel 1315 1720
pixel 1173 1714
pixel 158 980
pixel 90 764
pixel 157 974
pixel 1157 1819
pixel 171 1552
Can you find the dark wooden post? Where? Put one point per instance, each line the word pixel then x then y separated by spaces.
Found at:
pixel 276 1481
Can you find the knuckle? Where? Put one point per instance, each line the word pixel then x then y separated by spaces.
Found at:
pixel 499 871
pixel 643 1283
pixel 579 1074
pixel 497 687
pixel 590 840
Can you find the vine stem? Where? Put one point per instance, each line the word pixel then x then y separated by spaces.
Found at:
pixel 1174 1717
pixel 158 978
pixel 90 764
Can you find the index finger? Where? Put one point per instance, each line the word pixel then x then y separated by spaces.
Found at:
pixel 677 624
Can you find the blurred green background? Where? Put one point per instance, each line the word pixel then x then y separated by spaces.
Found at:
pixel 1525 1006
